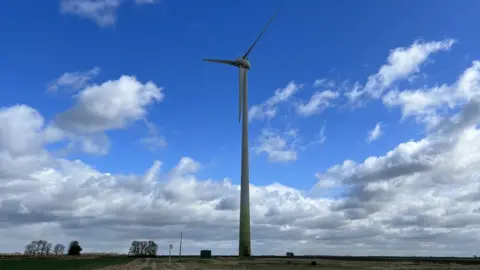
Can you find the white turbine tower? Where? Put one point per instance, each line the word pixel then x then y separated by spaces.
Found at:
pixel 244 249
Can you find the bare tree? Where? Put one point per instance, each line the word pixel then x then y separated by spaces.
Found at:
pixel 152 248
pixel 133 248
pixel 143 248
pixel 36 247
pixel 39 248
pixel 47 249
pixel 29 249
pixel 59 249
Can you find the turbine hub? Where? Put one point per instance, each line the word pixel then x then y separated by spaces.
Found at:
pixel 243 63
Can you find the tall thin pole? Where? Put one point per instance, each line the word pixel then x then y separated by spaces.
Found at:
pixel 244 249
pixel 180 252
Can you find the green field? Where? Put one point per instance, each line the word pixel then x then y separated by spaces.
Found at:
pixel 61 264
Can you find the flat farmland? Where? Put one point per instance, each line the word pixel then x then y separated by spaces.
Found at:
pixel 61 263
pixel 300 264
pixel 126 263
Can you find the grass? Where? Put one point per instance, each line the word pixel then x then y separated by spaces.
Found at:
pixel 61 264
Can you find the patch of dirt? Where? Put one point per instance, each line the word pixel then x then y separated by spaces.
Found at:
pixel 274 264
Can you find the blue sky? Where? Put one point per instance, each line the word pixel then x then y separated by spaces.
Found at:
pixel 165 42
pixel 339 42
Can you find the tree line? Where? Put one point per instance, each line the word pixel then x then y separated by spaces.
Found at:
pixel 44 248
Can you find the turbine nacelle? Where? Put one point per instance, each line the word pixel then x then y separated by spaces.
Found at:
pixel 244 63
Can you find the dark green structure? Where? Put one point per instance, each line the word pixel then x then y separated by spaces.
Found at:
pixel 205 254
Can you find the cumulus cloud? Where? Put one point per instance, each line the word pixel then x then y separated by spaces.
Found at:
pixel 100 108
pixel 421 194
pixel 422 188
pixel 22 136
pixel 428 105
pixel 268 109
pixel 375 133
pixel 24 130
pixel 416 187
pixel 279 147
pixel 60 199
pixel 74 80
pixel 110 105
pixel 317 103
pixel 95 144
pixel 102 12
pixel 402 63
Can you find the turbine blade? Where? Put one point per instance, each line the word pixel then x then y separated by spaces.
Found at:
pixel 220 61
pixel 263 31
pixel 241 82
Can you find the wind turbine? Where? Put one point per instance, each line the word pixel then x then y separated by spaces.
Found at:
pixel 244 248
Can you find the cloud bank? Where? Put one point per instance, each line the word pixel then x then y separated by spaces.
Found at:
pixel 420 198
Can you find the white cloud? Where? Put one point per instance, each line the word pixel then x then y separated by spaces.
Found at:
pixel 354 94
pixel 279 147
pixel 110 105
pixel 100 108
pixel 375 133
pixel 74 80
pixel 402 63
pixel 141 2
pixel 428 104
pixel 97 144
pixel 324 83
pixel 319 137
pixel 154 140
pixel 425 188
pixel 186 166
pixel 22 136
pixel 322 137
pixel 421 194
pixel 102 12
pixel 24 131
pixel 319 82
pixel 110 209
pixel 437 170
pixel 96 112
pixel 317 103
pixel 268 109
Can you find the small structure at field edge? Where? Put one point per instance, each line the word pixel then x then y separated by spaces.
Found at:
pixel 205 254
